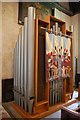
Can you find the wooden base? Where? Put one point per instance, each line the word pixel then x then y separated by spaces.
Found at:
pixel 17 112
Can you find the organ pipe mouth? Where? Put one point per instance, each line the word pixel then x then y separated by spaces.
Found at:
pixel 32 97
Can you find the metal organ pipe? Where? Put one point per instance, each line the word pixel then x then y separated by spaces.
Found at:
pixel 22 62
pixel 19 66
pixel 25 62
pixel 17 72
pixel 31 43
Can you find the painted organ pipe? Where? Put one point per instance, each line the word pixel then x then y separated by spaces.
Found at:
pixel 31 43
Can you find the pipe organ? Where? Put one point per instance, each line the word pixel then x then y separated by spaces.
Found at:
pixel 42 64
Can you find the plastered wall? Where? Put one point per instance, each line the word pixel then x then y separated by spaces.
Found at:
pixel 0 52
pixel 75 21
pixel 10 29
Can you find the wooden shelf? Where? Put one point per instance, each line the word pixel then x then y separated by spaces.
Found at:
pixel 41 103
pixel 57 20
pixel 44 21
pixel 61 23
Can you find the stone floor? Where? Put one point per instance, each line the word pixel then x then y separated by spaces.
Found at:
pixel 3 113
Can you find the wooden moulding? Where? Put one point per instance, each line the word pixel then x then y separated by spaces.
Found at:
pixel 56 19
pixel 36 61
pixel 40 107
pixel 17 112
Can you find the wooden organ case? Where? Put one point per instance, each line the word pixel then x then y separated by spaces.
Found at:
pixel 42 85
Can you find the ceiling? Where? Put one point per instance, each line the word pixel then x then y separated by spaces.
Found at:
pixel 70 8
pixel 75 7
